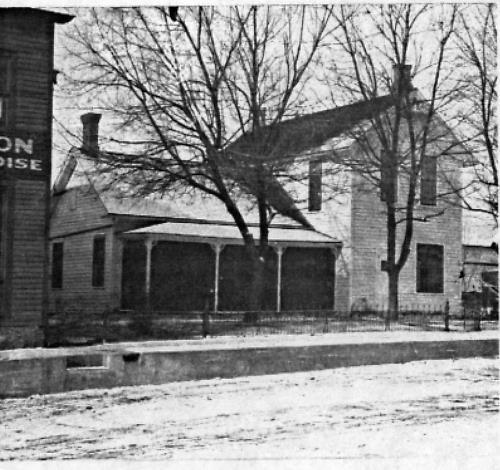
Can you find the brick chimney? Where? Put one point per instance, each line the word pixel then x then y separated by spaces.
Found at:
pixel 401 73
pixel 90 136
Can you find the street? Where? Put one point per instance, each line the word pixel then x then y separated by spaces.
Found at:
pixel 438 410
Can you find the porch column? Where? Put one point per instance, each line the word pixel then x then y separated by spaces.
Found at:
pixel 149 246
pixel 335 252
pixel 279 252
pixel 217 247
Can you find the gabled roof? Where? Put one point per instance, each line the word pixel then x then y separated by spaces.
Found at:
pixel 290 137
pixel 294 136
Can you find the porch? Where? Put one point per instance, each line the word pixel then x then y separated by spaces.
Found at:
pixel 200 266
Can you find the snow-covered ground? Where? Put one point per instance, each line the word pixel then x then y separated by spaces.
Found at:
pixel 386 416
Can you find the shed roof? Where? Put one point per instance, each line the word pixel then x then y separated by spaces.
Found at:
pixel 201 230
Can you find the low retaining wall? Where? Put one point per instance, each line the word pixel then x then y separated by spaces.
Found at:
pixel 121 367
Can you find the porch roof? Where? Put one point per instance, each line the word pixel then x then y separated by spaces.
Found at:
pixel 210 232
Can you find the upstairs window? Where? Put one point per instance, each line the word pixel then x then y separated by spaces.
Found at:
pixel 428 181
pixel 388 179
pixel 315 185
pixel 7 91
pixel 430 268
pixel 98 261
pixel 57 265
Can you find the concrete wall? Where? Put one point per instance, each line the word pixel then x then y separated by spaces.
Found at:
pixel 23 377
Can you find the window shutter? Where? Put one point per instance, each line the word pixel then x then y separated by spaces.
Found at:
pixel 98 261
pixel 315 185
pixel 57 265
pixel 388 179
pixel 428 181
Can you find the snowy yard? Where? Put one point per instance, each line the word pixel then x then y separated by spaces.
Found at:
pixel 446 411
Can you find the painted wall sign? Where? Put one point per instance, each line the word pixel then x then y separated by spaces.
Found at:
pixel 24 155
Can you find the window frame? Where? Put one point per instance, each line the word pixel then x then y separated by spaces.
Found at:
pixel 424 285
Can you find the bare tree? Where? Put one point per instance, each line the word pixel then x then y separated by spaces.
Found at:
pixel 185 93
pixel 403 135
pixel 476 39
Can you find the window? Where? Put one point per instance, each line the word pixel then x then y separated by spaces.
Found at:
pixel 98 261
pixel 7 85
pixel 430 268
pixel 388 179
pixel 315 189
pixel 57 265
pixel 428 181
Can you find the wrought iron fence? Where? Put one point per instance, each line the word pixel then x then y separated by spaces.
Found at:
pixel 112 326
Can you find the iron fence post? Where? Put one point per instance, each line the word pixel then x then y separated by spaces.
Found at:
pixel 447 316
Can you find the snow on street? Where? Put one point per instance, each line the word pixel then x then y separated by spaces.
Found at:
pixel 440 410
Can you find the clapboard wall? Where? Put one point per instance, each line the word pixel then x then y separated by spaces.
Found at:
pixel 26 51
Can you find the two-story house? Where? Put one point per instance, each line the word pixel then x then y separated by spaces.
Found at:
pixel 111 253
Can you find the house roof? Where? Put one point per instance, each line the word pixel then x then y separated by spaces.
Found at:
pixel 56 15
pixel 201 230
pixel 141 207
pixel 294 136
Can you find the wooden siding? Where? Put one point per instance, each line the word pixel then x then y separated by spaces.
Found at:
pixel 30 38
pixel 77 210
pixel 26 35
pixel 28 253
pixel 77 293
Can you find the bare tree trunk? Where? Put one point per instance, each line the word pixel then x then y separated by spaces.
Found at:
pixel 391 267
pixel 392 311
pixel 258 261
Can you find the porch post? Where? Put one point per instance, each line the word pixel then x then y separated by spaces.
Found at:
pixel 149 246
pixel 217 247
pixel 279 252
pixel 335 252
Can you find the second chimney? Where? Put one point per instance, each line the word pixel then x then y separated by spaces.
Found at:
pixel 90 137
pixel 401 78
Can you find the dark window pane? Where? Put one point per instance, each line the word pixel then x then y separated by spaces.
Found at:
pixel 98 261
pixel 57 265
pixel 315 189
pixel 428 181
pixel 430 268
